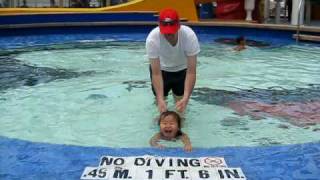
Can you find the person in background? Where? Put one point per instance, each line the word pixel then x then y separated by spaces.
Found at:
pixel 172 50
pixel 241 43
pixel 261 7
pixel 170 130
pixel 288 5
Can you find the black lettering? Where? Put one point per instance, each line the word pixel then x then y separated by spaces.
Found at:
pixel 102 173
pixel 159 162
pixel 182 162
pixel 150 174
pixel 170 162
pixel 106 161
pixel 93 173
pixel 148 162
pixel 182 173
pixel 204 174
pixel 139 161
pixel 121 173
pixel 119 161
pixel 221 174
pixel 169 173
pixel 234 174
pixel 194 162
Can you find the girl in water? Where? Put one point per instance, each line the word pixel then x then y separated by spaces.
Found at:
pixel 170 130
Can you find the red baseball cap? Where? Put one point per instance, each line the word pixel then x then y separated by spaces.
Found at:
pixel 169 21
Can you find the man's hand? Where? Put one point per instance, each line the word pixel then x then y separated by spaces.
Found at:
pixel 181 104
pixel 162 106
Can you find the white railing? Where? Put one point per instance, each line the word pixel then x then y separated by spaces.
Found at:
pixel 298 24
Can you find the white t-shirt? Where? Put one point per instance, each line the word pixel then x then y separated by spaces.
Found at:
pixel 172 58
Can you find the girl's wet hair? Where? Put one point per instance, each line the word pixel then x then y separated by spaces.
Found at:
pixel 170 113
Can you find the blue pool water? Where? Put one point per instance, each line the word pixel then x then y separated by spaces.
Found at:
pixel 69 97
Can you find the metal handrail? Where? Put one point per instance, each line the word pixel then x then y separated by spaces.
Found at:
pixel 298 24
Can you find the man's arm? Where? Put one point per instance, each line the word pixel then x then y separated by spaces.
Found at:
pixel 157 83
pixel 189 83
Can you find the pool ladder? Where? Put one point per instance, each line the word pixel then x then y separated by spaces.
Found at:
pixel 305 37
pixel 298 24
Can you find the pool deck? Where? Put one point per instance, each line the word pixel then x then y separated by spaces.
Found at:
pixel 200 23
pixel 303 30
pixel 229 23
pixel 258 25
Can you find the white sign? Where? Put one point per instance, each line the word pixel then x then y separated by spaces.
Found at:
pixel 162 168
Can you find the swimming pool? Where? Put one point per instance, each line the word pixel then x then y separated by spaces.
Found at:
pixel 87 90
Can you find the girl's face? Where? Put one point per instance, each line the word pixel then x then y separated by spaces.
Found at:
pixel 169 127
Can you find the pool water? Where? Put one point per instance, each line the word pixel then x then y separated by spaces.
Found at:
pixel 97 93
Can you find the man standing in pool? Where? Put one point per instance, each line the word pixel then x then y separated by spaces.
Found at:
pixel 172 50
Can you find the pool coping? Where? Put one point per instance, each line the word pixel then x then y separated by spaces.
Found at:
pixel 141 23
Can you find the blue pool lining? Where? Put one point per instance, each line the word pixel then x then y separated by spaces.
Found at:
pixel 32 160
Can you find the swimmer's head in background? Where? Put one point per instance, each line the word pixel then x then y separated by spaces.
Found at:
pixel 240 39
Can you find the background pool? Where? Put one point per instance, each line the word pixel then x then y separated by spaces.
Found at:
pixel 97 93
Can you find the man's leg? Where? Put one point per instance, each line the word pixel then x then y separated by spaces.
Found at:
pixel 166 87
pixel 176 97
pixel 178 88
pixel 181 114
